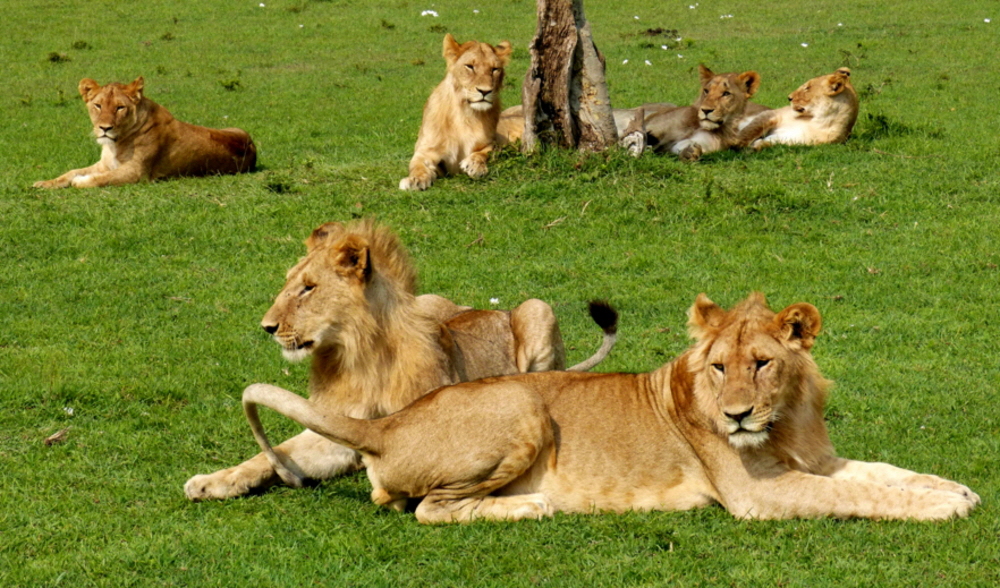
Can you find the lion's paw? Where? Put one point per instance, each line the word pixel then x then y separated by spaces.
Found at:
pixel 634 143
pixel 473 167
pixel 691 153
pixel 47 184
pixel 215 486
pixel 413 183
pixel 947 505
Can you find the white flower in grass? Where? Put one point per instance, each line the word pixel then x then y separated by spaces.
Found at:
pixel 494 301
pixel 429 13
pixel 474 11
pixel 68 410
pixel 840 24
pixel 679 56
pixel 986 20
pixel 648 63
pixel 636 17
pixel 664 47
pixel 805 44
pixel 262 5
pixel 624 61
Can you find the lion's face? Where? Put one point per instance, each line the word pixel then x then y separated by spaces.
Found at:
pixel 477 70
pixel 816 96
pixel 748 362
pixel 324 294
pixel 113 109
pixel 723 97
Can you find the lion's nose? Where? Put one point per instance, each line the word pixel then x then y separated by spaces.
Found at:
pixel 485 93
pixel 738 417
pixel 707 111
pixel 106 129
pixel 271 329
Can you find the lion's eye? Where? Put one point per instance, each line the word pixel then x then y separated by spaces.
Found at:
pixel 119 109
pixel 705 91
pixel 97 106
pixel 307 289
pixel 726 94
pixel 719 368
pixel 496 70
pixel 761 363
pixel 471 67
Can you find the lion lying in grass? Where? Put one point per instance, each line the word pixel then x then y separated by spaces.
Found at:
pixel 822 110
pixel 735 420
pixel 376 347
pixel 460 117
pixel 140 140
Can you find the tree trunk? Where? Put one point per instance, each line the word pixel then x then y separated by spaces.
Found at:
pixel 565 95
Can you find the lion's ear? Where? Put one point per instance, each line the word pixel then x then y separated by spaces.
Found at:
pixel 836 82
pixel 750 80
pixel 503 51
pixel 704 316
pixel 351 256
pixel 320 234
pixel 704 74
pixel 88 89
pixel 800 323
pixel 450 49
pixel 134 90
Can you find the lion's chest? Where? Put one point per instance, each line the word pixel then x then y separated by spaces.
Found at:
pixel 109 156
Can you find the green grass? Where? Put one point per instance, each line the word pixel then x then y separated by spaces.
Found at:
pixel 137 307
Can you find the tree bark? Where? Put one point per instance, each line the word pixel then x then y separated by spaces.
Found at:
pixel 565 96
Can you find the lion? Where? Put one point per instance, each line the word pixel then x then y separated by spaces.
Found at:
pixel 140 140
pixel 375 347
pixel 822 110
pixel 711 123
pixel 460 117
pixel 736 420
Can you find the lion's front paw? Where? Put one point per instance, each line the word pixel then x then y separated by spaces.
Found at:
pixel 49 184
pixel 414 183
pixel 217 486
pixel 634 142
pixel 948 505
pixel 691 153
pixel 474 167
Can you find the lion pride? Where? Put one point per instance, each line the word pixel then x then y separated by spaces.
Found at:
pixel 349 304
pixel 141 140
pixel 460 117
pixel 736 420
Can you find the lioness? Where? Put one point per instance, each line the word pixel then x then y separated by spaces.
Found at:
pixel 711 123
pixel 737 419
pixel 376 347
pixel 140 140
pixel 460 117
pixel 822 110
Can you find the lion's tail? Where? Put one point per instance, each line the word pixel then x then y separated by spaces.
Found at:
pixel 353 433
pixel 606 317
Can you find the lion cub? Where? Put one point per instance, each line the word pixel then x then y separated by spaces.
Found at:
pixel 822 110
pixel 141 140
pixel 711 123
pixel 460 117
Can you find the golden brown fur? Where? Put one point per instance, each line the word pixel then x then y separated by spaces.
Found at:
pixel 736 420
pixel 460 117
pixel 375 347
pixel 822 110
pixel 711 123
pixel 140 140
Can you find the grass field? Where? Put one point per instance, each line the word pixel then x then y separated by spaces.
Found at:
pixel 131 314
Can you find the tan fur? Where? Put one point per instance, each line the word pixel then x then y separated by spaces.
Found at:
pixel 140 140
pixel 460 117
pixel 822 110
pixel 375 347
pixel 736 420
pixel 711 123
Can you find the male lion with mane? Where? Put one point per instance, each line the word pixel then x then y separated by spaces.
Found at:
pixel 822 110
pixel 460 117
pixel 140 140
pixel 736 420
pixel 376 347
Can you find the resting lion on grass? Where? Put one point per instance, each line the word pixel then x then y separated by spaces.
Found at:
pixel 735 420
pixel 376 347
pixel 460 117
pixel 822 110
pixel 140 140
pixel 711 123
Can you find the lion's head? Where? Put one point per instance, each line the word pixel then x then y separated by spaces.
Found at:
pixel 820 95
pixel 476 71
pixel 113 109
pixel 723 97
pixel 335 297
pixel 750 366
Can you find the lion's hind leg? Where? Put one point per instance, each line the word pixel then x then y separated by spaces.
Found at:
pixel 537 341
